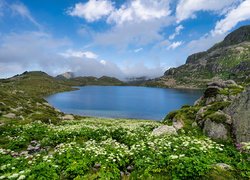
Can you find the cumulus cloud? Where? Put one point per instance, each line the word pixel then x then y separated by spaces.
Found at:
pixel 135 22
pixel 187 8
pixel 177 32
pixel 140 10
pixel 232 18
pixel 92 10
pixel 174 45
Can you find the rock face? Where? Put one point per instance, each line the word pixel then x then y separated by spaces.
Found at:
pixel 239 110
pixel 164 130
pixel 215 130
pixel 229 59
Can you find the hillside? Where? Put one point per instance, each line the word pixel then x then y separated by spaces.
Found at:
pixel 229 59
pixel 70 79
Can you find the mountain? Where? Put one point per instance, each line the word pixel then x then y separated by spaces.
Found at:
pixel 66 75
pixel 70 79
pixel 229 59
pixel 35 83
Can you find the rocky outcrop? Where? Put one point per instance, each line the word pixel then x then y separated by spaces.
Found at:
pixel 239 110
pixel 229 59
pixel 162 130
pixel 215 130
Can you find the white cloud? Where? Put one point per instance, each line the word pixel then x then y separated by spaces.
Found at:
pixel 239 14
pixel 139 69
pixel 79 54
pixel 174 45
pixel 23 11
pixel 187 8
pixel 138 50
pixel 103 62
pixel 92 10
pixel 177 32
pixel 140 10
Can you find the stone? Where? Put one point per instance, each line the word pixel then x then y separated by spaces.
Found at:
pixel 224 166
pixel 10 115
pixel 211 91
pixel 214 130
pixel 230 82
pixel 164 130
pixel 219 83
pixel 68 117
pixel 178 124
pixel 130 168
pixel 97 166
pixel 239 110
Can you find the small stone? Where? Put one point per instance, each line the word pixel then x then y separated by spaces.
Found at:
pixel 97 166
pixel 34 142
pixel 130 168
pixel 224 166
pixel 95 169
pixel 127 173
pixel 10 115
pixel 121 173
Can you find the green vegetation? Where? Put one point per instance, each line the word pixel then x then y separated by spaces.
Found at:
pixel 94 148
pixel 37 143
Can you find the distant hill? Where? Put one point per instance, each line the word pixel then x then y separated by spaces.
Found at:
pixel 70 79
pixel 229 59
pixel 66 75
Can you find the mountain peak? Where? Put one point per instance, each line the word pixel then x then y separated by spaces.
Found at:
pixel 66 75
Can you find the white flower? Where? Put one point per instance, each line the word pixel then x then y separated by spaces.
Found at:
pixel 21 177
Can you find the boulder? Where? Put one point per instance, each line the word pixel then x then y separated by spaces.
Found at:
pixel 223 166
pixel 164 130
pixel 214 130
pixel 178 124
pixel 10 115
pixel 68 117
pixel 239 110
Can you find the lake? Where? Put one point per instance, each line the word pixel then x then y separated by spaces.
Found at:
pixel 123 101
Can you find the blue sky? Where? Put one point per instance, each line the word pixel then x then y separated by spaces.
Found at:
pixel 122 38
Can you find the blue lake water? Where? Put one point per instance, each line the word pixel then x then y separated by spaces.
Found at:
pixel 123 101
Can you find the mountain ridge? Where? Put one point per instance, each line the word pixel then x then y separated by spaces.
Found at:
pixel 229 59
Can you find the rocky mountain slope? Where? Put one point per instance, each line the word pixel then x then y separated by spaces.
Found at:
pixel 229 59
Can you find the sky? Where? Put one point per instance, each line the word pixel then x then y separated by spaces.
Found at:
pixel 122 38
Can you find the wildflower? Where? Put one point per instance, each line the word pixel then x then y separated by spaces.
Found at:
pixel 21 177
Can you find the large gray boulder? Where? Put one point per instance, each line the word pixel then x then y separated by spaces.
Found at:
pixel 162 130
pixel 239 110
pixel 215 130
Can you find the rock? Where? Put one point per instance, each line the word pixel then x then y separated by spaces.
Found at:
pixel 230 82
pixel 219 83
pixel 68 117
pixel 164 130
pixel 178 124
pixel 214 130
pixel 228 119
pixel 239 110
pixel 127 173
pixel 10 115
pixel 97 166
pixel 223 166
pixel 130 168
pixel 121 173
pixel 211 91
